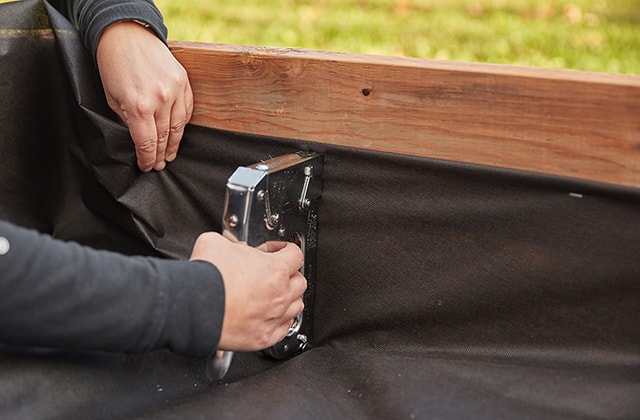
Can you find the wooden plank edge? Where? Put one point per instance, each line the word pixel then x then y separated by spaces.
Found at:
pixel 561 122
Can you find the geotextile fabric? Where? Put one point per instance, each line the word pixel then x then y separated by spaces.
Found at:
pixel 444 290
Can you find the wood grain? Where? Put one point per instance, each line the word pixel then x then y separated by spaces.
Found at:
pixel 570 123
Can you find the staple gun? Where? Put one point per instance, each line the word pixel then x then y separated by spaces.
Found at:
pixel 276 200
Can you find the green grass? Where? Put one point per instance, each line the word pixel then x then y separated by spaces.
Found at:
pixel 596 35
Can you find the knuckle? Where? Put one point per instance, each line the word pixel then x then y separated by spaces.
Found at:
pixel 263 340
pixel 209 237
pixel 279 304
pixel 181 78
pixel 147 145
pixel 178 127
pixel 298 254
pixel 281 270
pixel 204 236
pixel 164 94
pixel 303 284
pixel 163 136
pixel 141 107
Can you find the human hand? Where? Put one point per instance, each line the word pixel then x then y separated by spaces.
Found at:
pixel 148 88
pixel 263 289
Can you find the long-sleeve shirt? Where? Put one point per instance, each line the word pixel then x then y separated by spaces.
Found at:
pixel 91 17
pixel 64 295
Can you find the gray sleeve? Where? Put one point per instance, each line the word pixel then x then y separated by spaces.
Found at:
pixel 63 295
pixel 91 17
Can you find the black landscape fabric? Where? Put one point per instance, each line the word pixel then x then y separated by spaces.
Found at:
pixel 444 290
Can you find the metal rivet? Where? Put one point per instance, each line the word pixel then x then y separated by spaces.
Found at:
pixel 4 245
pixel 272 221
pixel 233 220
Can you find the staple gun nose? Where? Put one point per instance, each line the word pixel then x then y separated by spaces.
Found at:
pixel 276 200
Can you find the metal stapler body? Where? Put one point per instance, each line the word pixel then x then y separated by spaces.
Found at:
pixel 276 200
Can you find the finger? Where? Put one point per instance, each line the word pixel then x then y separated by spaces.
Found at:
pixel 294 310
pixel 144 134
pixel 280 333
pixel 292 255
pixel 272 246
pixel 188 94
pixel 163 133
pixel 181 115
pixel 293 303
pixel 298 284
pixel 176 130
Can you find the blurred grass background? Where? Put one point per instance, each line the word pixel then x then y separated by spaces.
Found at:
pixel 596 35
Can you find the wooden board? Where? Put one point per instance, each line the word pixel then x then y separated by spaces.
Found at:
pixel 560 122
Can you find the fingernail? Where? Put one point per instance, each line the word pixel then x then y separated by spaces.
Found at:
pixel 171 157
pixel 160 165
pixel 145 169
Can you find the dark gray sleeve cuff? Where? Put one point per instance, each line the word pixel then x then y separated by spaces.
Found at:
pixel 91 17
pixel 196 308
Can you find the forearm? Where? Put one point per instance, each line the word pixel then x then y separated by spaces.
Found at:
pixel 91 17
pixel 63 295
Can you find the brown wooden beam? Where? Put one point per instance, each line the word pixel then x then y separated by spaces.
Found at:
pixel 570 123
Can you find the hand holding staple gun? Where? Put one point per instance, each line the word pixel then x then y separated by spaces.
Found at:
pixel 229 296
pixel 275 200
pixel 263 289
pixel 115 302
